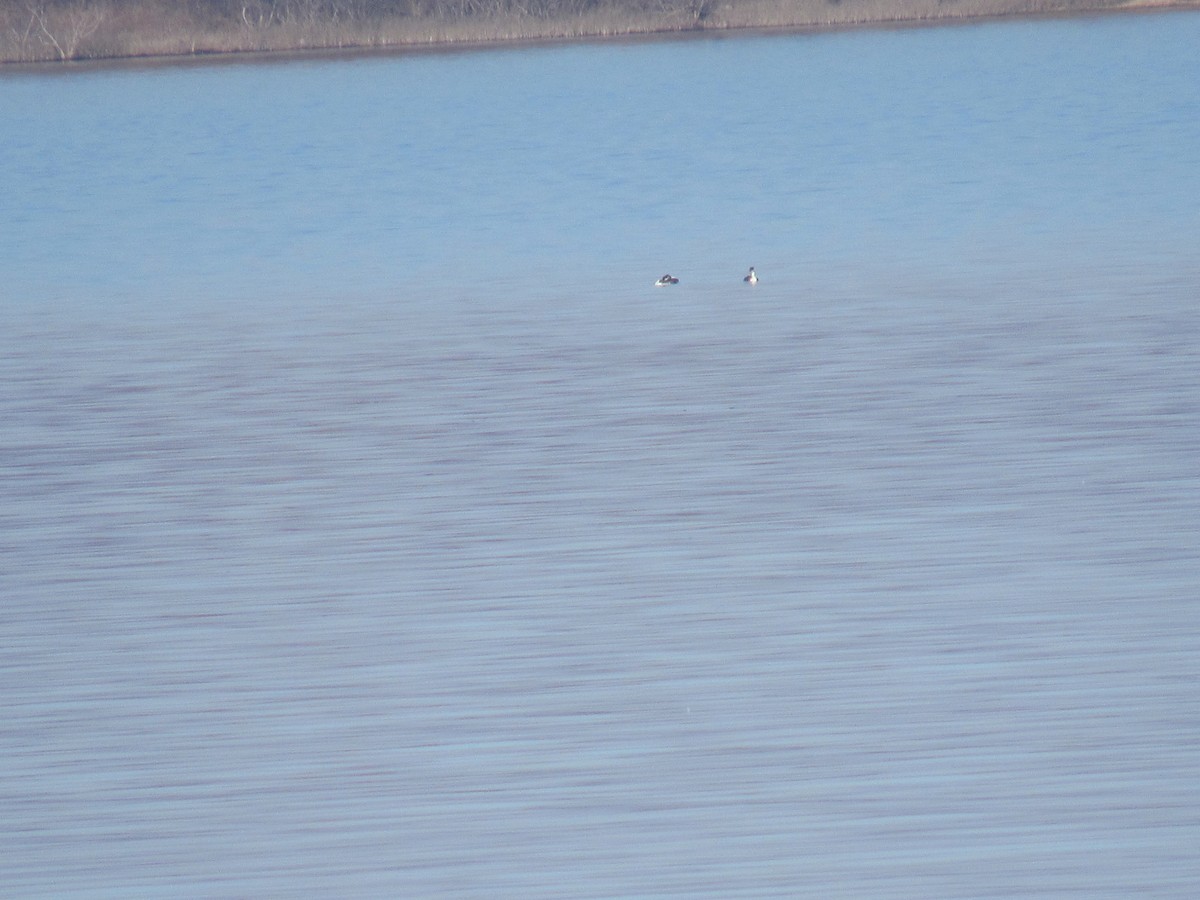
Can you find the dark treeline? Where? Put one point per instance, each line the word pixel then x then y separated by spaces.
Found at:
pixel 42 30
pixel 35 30
pixel 267 12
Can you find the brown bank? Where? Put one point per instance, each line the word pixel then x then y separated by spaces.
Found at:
pixel 37 31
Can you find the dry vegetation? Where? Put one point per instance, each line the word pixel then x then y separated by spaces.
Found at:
pixel 44 30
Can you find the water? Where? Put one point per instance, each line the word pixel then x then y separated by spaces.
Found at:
pixel 372 527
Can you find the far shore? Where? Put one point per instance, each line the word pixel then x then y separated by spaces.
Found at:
pixel 42 35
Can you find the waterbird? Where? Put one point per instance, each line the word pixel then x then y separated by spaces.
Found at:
pixel 752 278
pixel 665 280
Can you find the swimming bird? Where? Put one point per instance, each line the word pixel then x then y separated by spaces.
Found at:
pixel 665 280
pixel 752 278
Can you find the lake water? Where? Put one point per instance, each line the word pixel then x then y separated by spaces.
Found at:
pixel 371 527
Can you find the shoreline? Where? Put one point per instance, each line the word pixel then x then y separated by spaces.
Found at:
pixel 736 18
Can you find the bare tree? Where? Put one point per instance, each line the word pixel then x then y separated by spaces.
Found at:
pixel 22 35
pixel 65 29
pixel 258 14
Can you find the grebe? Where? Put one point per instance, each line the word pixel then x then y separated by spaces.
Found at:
pixel 752 278
pixel 665 280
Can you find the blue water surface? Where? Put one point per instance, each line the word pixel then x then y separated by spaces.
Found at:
pixel 964 149
pixel 370 526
